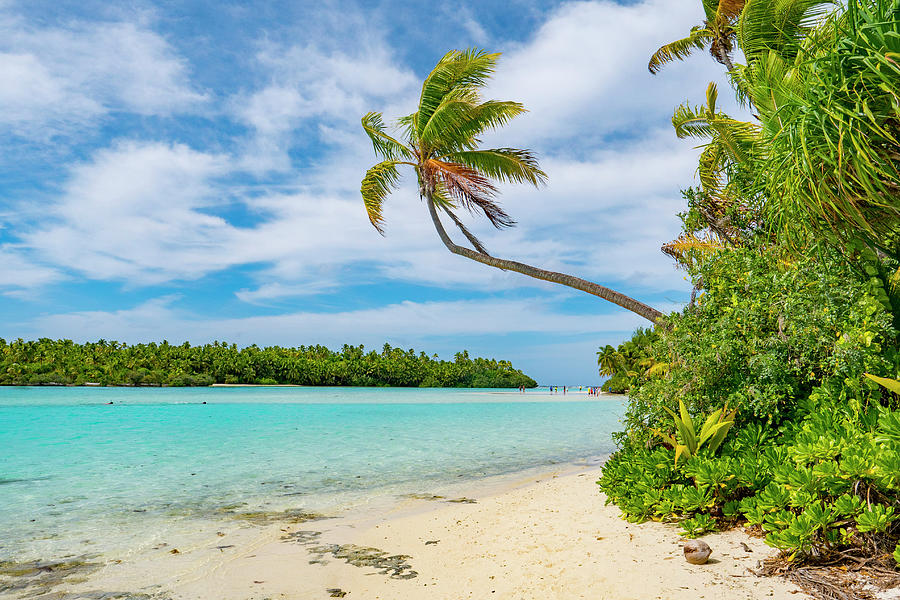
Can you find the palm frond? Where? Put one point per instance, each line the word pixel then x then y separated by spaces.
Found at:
pixel 730 9
pixel 473 190
pixel 698 39
pixel 408 125
pixel 490 115
pixel 894 282
pixel 709 168
pixel 456 125
pixel 502 164
pixel 739 79
pixel 772 82
pixel 660 368
pixel 379 181
pixel 777 25
pixel 691 122
pixel 735 136
pixel 386 146
pixel 458 69
pixel 710 9
pixel 689 248
pixel 456 108
pixel 712 94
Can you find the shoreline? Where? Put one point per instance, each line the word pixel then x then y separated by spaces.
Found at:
pixel 541 533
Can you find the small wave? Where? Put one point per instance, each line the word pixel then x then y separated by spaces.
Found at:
pixel 5 481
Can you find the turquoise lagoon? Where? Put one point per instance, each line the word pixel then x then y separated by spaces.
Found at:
pixel 78 475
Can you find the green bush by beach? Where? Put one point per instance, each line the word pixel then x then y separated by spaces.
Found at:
pixel 814 457
pixel 63 362
pixel 791 242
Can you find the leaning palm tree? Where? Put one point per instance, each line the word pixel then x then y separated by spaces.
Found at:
pixel 441 145
pixel 717 32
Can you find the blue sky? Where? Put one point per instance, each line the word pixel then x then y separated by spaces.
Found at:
pixel 190 170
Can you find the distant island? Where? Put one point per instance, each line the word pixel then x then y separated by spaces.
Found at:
pixel 63 362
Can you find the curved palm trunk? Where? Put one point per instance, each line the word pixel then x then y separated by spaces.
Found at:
pixel 649 313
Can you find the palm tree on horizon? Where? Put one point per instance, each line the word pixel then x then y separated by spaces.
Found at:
pixel 442 139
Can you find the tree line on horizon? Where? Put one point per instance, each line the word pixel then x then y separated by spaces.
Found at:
pixel 64 362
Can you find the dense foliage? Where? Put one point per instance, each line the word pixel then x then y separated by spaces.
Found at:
pixel 814 456
pixel 629 363
pixel 791 241
pixel 48 361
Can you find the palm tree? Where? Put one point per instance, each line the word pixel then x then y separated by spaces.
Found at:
pixel 732 145
pixel 717 32
pixel 609 360
pixel 442 147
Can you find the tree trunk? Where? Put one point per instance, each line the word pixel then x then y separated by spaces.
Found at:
pixel 726 60
pixel 649 313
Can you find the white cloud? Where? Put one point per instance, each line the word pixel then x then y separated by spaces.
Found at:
pixel 307 83
pixel 53 80
pixel 270 292
pixel 19 276
pixel 463 15
pixel 584 73
pixel 156 318
pixel 144 212
pixel 136 212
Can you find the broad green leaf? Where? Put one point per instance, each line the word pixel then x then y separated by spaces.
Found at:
pixel 687 424
pixel 679 450
pixel 891 384
pixel 709 426
pixel 719 436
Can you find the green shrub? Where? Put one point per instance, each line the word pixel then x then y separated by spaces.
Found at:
pixel 762 335
pixel 829 481
pixel 813 459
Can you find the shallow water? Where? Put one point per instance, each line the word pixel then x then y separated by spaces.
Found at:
pixel 79 475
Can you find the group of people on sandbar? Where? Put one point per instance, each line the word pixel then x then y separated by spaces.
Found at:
pixel 554 389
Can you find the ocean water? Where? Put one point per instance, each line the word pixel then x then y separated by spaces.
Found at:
pixel 79 475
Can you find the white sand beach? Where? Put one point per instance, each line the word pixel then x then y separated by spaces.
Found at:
pixel 540 537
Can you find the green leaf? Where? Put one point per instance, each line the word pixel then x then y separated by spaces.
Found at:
pixel 719 435
pixel 687 427
pixel 697 40
pixel 379 181
pixel 877 518
pixel 709 426
pixel 385 145
pixel 504 164
pixel 891 384
pixel 679 450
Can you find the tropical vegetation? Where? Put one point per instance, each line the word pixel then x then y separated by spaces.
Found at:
pixel 63 362
pixel 627 365
pixel 790 347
